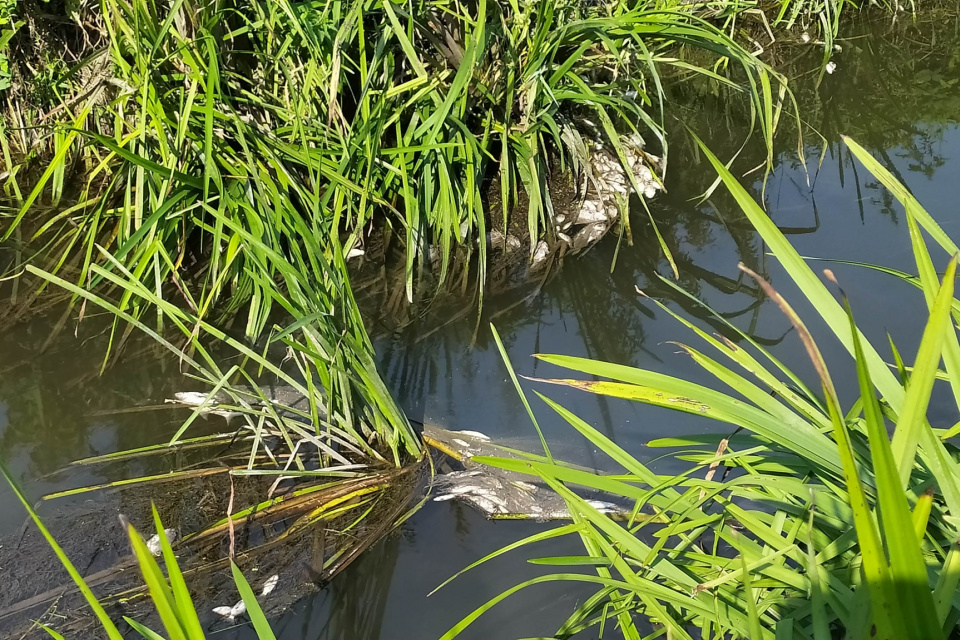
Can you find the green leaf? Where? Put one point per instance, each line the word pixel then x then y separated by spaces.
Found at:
pixel 105 621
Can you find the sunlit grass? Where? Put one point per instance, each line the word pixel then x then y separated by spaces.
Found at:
pixel 231 157
pixel 807 519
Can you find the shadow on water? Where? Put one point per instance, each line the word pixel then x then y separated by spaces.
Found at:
pixel 895 90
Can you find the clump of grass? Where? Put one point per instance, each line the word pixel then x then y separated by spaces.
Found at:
pixel 224 160
pixel 754 539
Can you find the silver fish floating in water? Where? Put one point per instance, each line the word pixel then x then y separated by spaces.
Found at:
pixel 231 613
pixel 154 544
pixel 237 610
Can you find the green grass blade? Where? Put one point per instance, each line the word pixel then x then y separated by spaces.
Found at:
pixel 105 621
pixel 908 571
pixel 907 434
pixel 259 620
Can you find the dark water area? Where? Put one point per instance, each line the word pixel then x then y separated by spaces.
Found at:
pixel 896 90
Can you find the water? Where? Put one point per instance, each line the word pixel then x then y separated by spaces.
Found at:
pixel 895 92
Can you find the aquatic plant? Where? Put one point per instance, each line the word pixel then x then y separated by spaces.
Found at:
pixel 754 539
pixel 215 165
pixel 167 590
pixel 225 161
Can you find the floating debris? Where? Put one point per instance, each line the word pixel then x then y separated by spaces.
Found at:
pixel 270 585
pixel 154 544
pixel 231 613
pixel 831 67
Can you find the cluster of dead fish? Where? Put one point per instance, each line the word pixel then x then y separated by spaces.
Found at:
pixel 495 492
pixel 240 608
pixel 606 188
pixel 155 546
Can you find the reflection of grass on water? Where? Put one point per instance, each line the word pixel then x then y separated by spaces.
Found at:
pixel 808 520
pixel 211 167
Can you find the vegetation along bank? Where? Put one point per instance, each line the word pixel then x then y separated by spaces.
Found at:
pixel 210 173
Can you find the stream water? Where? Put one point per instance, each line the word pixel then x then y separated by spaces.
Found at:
pixel 896 90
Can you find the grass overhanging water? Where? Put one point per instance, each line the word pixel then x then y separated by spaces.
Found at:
pixel 754 539
pixel 233 158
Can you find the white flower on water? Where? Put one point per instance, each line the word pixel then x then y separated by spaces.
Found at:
pixel 805 38
pixel 154 545
pixel 831 66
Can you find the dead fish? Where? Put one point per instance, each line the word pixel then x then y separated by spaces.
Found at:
pixel 475 434
pixel 154 545
pixel 269 585
pixel 464 489
pixel 237 610
pixel 526 486
pixel 603 507
pixel 231 613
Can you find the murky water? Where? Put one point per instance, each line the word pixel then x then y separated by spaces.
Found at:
pixel 895 91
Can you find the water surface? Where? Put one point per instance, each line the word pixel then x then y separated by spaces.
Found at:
pixel 895 91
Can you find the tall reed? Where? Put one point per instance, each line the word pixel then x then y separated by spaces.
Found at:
pixel 754 539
